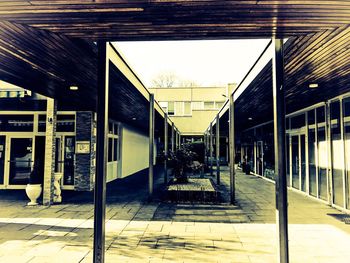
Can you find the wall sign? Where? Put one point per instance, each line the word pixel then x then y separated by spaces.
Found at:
pixel 82 147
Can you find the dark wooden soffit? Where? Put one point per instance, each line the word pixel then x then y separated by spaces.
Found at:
pixel 321 58
pixel 49 63
pixel 168 19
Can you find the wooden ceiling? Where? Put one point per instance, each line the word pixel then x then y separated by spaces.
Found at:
pixel 181 19
pixel 47 45
pixel 321 58
pixel 49 63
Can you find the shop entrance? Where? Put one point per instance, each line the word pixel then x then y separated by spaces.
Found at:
pixel 298 161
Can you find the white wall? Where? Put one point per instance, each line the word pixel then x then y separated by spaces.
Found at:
pixel 112 168
pixel 134 152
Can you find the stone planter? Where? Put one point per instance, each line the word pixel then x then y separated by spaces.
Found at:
pixel 33 192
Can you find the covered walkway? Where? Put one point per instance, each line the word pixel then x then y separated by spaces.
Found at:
pixel 138 231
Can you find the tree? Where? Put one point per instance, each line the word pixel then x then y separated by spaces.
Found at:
pixel 169 80
pixel 164 80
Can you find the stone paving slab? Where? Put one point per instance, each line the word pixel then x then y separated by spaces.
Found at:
pixel 137 231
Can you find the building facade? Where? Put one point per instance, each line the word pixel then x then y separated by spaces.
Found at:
pixel 191 108
pixel 318 150
pixel 23 121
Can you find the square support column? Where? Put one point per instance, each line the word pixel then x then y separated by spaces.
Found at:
pixel 217 149
pixel 165 148
pixel 151 145
pixel 101 152
pixel 176 139
pixel 205 147
pixel 232 148
pixel 280 149
pixel 50 150
pixel 172 137
pixel 211 148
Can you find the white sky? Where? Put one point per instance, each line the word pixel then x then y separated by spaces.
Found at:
pixel 209 62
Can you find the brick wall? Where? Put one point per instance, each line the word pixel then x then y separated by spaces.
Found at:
pixel 84 172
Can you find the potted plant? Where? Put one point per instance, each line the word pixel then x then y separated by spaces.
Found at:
pixel 181 161
pixel 33 189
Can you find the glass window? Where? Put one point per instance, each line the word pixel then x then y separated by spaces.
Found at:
pixel 21 161
pixel 187 108
pixel 116 128
pixel 18 123
pixel 110 149
pixel 171 108
pixel 179 108
pixel 209 105
pixel 312 161
pixel 58 156
pixel 69 156
pixel 311 117
pixel 322 152
pixel 337 154
pixel 346 114
pixel 116 150
pixel 110 127
pixel 42 123
pixel 65 122
pixel 298 121
pixel 219 104
pixel 197 105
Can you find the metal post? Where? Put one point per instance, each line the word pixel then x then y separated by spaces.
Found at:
pixel 232 149
pixel 172 137
pixel 279 141
pixel 151 145
pixel 101 152
pixel 217 149
pixel 205 147
pixel 165 148
pixel 179 139
pixel 211 148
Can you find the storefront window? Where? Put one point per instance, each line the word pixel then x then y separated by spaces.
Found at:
pixel 41 123
pixel 312 153
pixel 16 123
pixel 346 114
pixel 298 121
pixel 69 156
pixel 337 154
pixel 65 123
pixel 322 152
pixel 269 153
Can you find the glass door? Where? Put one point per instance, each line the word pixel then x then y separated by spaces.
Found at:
pixel 69 159
pixel 21 160
pixel 295 161
pixel 298 161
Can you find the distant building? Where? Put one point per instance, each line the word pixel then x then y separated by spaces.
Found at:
pixel 191 108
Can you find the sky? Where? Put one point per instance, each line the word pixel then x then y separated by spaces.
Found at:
pixel 206 62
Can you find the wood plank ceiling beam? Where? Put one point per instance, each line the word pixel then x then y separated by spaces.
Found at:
pixel 159 20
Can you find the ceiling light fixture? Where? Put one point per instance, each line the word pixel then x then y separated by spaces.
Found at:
pixel 250 118
pixel 73 88
pixel 313 85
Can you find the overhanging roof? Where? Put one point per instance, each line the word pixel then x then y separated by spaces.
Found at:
pixel 46 45
pixel 320 58
pixel 48 63
pixel 171 19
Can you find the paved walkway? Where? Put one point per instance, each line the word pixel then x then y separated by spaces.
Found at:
pixel 138 231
